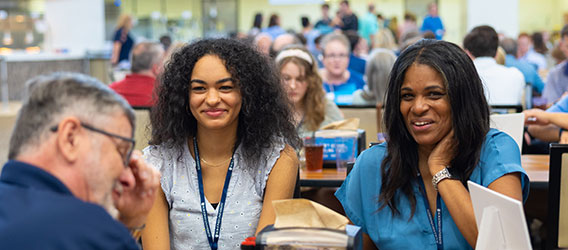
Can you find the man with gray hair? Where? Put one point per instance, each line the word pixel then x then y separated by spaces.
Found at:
pixel 72 180
pixel 146 65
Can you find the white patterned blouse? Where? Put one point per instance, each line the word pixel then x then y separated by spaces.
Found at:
pixel 244 196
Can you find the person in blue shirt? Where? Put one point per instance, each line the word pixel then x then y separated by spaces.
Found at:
pixel 529 71
pixel 274 29
pixel 339 83
pixel 72 180
pixel 548 131
pixel 409 192
pixel 432 22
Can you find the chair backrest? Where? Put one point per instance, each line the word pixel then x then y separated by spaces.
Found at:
pixel 527 96
pixel 143 131
pixel 512 124
pixel 7 121
pixel 506 109
pixel 367 119
pixel 557 221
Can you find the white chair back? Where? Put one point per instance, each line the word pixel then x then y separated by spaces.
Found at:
pixel 512 124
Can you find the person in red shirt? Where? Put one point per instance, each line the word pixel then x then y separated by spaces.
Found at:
pixel 138 86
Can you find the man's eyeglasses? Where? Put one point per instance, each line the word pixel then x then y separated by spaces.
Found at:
pixel 338 56
pixel 131 142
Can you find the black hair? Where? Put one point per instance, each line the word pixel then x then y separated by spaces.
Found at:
pixel 482 41
pixel 538 43
pixel 273 21
pixel 305 21
pixel 265 112
pixel 470 118
pixel 353 38
pixel 257 23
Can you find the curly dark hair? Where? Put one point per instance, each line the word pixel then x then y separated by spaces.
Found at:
pixel 265 112
pixel 470 118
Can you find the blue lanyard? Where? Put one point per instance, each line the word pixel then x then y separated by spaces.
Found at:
pixel 436 227
pixel 213 241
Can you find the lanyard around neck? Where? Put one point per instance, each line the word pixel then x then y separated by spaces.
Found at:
pixel 436 227
pixel 213 241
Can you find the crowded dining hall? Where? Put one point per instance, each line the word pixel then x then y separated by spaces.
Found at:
pixel 283 124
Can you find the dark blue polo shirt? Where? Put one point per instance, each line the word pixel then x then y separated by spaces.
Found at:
pixel 37 211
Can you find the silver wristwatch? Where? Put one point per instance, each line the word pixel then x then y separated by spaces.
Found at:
pixel 442 174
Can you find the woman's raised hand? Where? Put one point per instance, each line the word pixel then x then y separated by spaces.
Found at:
pixel 442 154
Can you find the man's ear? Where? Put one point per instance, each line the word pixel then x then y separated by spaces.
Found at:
pixel 69 139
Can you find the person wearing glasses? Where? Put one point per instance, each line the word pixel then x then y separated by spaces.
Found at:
pixel 223 139
pixel 409 192
pixel 72 180
pixel 339 82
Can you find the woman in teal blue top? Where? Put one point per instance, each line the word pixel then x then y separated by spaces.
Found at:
pixel 410 192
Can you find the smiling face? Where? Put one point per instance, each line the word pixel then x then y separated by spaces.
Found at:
pixel 425 105
pixel 214 99
pixel 294 79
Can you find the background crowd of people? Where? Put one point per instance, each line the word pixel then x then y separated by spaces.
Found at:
pixel 227 119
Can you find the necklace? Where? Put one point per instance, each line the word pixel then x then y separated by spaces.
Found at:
pixel 216 164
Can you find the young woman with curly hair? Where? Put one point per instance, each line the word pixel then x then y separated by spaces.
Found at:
pixel 223 138
pixel 303 84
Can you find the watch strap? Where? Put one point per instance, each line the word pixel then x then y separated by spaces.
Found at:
pixel 441 175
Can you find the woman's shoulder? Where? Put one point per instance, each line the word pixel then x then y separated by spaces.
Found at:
pixel 332 112
pixel 371 159
pixel 499 139
pixel 163 154
pixel 160 150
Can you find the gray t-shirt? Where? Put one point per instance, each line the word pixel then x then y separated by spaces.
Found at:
pixel 244 197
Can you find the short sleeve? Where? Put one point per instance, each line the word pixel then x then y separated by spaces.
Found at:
pixel 157 158
pixel 359 192
pixel 500 156
pixel 560 106
pixel 117 36
pixel 269 157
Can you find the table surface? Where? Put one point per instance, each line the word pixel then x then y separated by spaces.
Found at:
pixel 536 167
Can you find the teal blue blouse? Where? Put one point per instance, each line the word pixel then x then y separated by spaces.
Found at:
pixel 360 192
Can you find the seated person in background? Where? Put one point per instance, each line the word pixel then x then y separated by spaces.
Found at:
pixel 526 52
pixel 529 72
pixel 398 190
pixel 547 127
pixel 274 29
pixel 137 87
pixel 356 62
pixel 557 79
pixel 223 138
pixel 338 82
pixel 282 41
pixel 303 84
pixel 378 69
pixel 503 86
pixel 72 180
pixel 263 42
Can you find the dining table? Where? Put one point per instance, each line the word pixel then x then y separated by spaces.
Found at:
pixel 536 167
